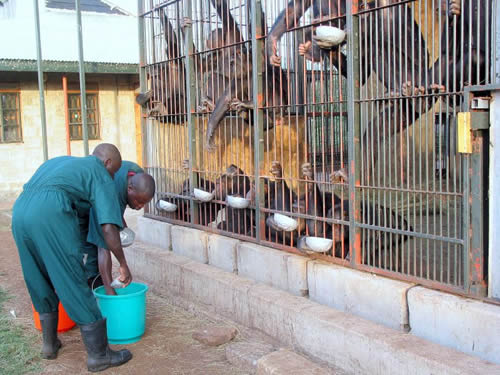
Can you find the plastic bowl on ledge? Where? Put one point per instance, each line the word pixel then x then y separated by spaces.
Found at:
pixel 166 206
pixel 203 195
pixel 237 202
pixel 319 244
pixel 285 223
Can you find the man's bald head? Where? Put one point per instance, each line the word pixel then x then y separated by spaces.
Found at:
pixel 141 189
pixel 110 156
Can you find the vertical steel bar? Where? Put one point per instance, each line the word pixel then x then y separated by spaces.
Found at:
pixel 190 100
pixel 142 73
pixel 66 114
pixel 495 42
pixel 40 81
pixel 258 100
pixel 354 129
pixel 83 94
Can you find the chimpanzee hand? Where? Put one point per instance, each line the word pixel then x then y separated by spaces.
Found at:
pixel 305 48
pixel 274 59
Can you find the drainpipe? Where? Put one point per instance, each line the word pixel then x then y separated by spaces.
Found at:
pixel 66 114
pixel 40 81
pixel 82 80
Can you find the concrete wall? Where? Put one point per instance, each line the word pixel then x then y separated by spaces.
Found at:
pixel 468 326
pixel 117 125
pixel 344 340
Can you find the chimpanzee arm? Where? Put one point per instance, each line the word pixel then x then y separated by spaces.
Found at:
pixel 229 24
pixel 221 107
pixel 287 19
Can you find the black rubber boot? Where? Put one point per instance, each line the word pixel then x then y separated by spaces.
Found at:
pixel 51 343
pixel 100 355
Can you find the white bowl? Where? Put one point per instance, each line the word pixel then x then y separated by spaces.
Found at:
pixel 127 237
pixel 166 206
pixel 203 195
pixel 285 223
pixel 319 244
pixel 330 36
pixel 237 202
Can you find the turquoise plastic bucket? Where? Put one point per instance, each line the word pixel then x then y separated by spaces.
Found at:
pixel 125 313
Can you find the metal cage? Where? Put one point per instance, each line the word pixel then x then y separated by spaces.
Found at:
pixel 281 122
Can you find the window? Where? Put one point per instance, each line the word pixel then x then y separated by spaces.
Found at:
pixel 75 116
pixel 10 117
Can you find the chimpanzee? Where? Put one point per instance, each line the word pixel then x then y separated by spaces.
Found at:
pixel 464 39
pixel 238 90
pixel 207 211
pixel 278 197
pixel 236 183
pixel 380 47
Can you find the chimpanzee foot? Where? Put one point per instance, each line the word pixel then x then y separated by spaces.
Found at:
pixel 339 177
pixel 210 146
pixel 276 169
pixel 185 164
pixel 239 106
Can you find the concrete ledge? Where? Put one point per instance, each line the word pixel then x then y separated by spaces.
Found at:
pixel 154 232
pixel 373 297
pixel 273 267
pixel 222 252
pixel 469 326
pixel 340 339
pixel 192 243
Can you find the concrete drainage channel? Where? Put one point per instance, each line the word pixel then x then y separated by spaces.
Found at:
pixel 263 289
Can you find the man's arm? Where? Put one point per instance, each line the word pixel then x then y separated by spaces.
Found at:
pixel 111 235
pixel 105 268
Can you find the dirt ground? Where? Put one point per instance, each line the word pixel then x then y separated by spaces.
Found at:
pixel 166 348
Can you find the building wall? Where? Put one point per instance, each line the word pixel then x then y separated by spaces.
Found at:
pixel 117 125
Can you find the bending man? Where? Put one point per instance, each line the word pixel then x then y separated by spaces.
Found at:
pixel 45 225
pixel 135 189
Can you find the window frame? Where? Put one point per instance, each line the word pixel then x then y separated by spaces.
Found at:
pixel 98 114
pixel 20 139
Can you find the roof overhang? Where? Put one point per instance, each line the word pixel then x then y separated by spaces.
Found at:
pixel 50 66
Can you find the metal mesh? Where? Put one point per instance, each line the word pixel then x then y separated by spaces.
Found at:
pixel 340 146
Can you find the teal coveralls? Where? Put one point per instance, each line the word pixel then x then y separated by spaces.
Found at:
pixel 46 227
pixel 93 232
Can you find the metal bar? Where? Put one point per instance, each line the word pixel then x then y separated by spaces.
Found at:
pixel 66 114
pixel 142 77
pixel 354 130
pixel 40 81
pixel 83 94
pixel 191 103
pixel 258 100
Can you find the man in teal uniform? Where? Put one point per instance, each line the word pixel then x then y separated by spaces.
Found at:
pixel 45 225
pixel 135 189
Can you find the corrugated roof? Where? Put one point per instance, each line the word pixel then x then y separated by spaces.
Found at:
pixel 24 65
pixel 85 6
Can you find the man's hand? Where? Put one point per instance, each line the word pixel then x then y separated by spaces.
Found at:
pixel 110 291
pixel 125 275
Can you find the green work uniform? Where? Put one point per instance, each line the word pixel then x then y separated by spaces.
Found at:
pixel 94 237
pixel 46 227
